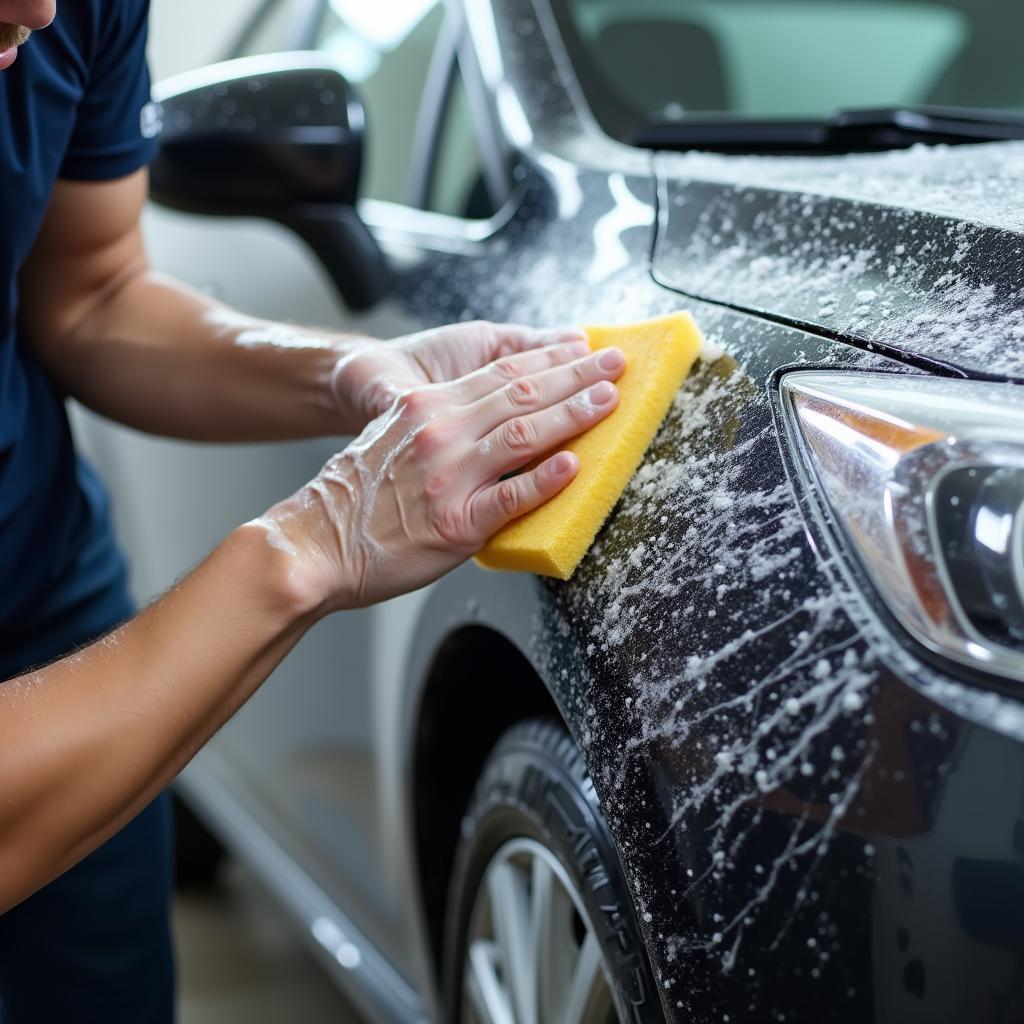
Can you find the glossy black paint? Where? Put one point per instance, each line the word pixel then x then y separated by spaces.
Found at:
pixel 892 252
pixel 861 887
pixel 257 143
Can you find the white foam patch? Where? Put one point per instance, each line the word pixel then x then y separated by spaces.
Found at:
pixel 981 183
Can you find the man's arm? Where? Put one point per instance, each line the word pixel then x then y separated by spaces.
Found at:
pixel 86 743
pixel 91 739
pixel 149 352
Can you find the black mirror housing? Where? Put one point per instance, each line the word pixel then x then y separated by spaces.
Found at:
pixel 280 137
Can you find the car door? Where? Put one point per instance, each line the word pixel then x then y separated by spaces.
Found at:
pixel 313 758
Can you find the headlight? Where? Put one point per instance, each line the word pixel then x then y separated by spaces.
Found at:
pixel 925 480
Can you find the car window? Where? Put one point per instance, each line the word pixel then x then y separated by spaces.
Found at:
pixel 384 48
pixel 457 184
pixel 660 60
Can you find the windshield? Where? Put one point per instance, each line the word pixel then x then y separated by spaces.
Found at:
pixel 644 62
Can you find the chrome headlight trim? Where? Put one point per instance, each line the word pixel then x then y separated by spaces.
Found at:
pixel 878 452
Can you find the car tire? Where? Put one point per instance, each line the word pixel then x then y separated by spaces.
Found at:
pixel 534 825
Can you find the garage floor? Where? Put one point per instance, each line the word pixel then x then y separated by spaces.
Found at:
pixel 241 961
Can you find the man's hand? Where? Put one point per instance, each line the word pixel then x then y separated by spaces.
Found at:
pixel 368 380
pixel 426 484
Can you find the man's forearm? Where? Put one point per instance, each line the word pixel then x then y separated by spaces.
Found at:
pixel 88 741
pixel 163 358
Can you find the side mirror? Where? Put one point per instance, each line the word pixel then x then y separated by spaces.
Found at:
pixel 280 137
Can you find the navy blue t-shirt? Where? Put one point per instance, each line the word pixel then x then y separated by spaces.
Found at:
pixel 74 105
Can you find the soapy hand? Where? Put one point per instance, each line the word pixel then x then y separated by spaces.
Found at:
pixel 367 381
pixel 421 489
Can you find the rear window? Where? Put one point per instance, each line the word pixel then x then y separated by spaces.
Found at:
pixel 644 62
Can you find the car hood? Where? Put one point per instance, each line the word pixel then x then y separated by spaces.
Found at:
pixel 918 254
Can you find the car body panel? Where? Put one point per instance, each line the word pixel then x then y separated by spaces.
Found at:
pixel 677 690
pixel 918 254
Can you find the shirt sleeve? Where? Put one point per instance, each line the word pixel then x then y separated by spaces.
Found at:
pixel 117 124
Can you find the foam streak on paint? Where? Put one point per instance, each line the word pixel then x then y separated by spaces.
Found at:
pixel 726 549
pixel 918 250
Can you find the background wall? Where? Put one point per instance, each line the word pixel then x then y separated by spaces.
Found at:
pixel 187 33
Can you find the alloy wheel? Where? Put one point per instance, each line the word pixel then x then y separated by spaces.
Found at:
pixel 532 956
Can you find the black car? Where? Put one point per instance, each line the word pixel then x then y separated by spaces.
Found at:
pixel 761 759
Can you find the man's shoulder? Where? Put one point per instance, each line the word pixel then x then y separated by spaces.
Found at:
pixel 93 25
pixel 97 49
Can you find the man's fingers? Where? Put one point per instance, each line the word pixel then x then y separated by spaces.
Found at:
pixel 448 353
pixel 504 501
pixel 536 391
pixel 512 338
pixel 496 375
pixel 521 438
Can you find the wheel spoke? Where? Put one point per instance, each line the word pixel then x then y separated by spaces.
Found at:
pixel 553 914
pixel 542 896
pixel 589 1000
pixel 482 987
pixel 532 957
pixel 510 916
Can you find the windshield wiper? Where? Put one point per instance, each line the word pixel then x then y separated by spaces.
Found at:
pixel 845 131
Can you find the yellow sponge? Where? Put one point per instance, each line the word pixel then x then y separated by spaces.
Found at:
pixel 552 540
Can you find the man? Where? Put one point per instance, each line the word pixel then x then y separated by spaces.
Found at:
pixel 88 743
